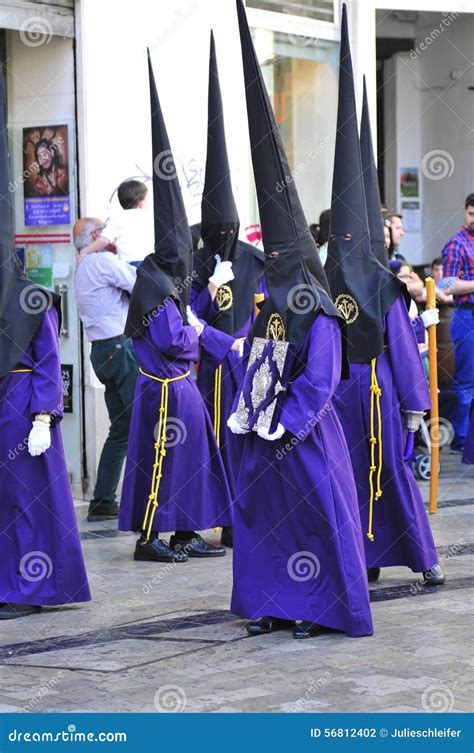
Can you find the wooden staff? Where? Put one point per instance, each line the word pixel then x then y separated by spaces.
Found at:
pixel 434 422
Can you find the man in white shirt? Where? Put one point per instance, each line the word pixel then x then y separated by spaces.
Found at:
pixel 103 284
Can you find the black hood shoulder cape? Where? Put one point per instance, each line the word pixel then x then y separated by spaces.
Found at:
pixel 363 288
pixel 219 228
pixel 167 272
pixel 295 279
pixel 23 304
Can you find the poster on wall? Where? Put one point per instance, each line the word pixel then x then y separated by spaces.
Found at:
pixel 46 175
pixel 66 375
pixel 411 216
pixel 409 182
pixel 39 264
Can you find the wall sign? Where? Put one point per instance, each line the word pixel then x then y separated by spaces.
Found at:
pixel 46 175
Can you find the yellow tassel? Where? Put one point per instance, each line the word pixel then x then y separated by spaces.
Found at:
pixel 375 395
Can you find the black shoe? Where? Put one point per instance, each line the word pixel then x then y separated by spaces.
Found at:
pixel 456 449
pixel 12 611
pixel 102 511
pixel 156 550
pixel 373 574
pixel 305 629
pixel 196 547
pixel 269 625
pixel 227 538
pixel 434 577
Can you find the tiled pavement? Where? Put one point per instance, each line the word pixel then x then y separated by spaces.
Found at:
pixel 161 638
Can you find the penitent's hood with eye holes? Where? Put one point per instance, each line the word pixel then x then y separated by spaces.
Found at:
pixel 363 289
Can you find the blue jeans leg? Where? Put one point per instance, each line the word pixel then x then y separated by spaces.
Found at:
pixel 462 334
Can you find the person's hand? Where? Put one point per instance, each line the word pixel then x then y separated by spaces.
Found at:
pixel 430 317
pixel 222 272
pixel 85 252
pixel 412 419
pixel 238 346
pixel 192 318
pixel 235 426
pixel 279 431
pixel 39 438
pixel 81 258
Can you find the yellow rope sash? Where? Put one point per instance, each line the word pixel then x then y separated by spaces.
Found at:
pixel 20 371
pixel 217 404
pixel 375 394
pixel 160 450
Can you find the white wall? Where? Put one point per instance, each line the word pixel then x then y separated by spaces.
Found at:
pixel 429 114
pixel 447 127
pixel 114 122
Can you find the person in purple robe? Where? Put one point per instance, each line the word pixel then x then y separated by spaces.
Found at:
pixel 298 551
pixel 381 405
pixel 41 562
pixel 228 275
pixel 174 476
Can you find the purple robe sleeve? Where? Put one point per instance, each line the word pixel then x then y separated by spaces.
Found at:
pixel 309 395
pixel 202 304
pixel 419 329
pixel 216 344
pixel 46 394
pixel 171 337
pixel 407 369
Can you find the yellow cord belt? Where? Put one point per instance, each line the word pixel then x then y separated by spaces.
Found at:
pixel 20 371
pixel 375 394
pixel 217 404
pixel 160 450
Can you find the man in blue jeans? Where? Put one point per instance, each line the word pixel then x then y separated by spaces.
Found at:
pixel 103 284
pixel 458 263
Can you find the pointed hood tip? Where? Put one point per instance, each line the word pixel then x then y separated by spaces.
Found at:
pixel 218 204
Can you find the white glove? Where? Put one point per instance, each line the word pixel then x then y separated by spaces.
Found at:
pixel 412 419
pixel 234 425
pixel 222 272
pixel 192 318
pixel 279 431
pixel 39 439
pixel 429 317
pixel 238 347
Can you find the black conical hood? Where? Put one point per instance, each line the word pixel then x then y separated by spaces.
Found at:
pixel 294 275
pixel 362 288
pixel 371 185
pixel 166 272
pixel 219 216
pixel 23 304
